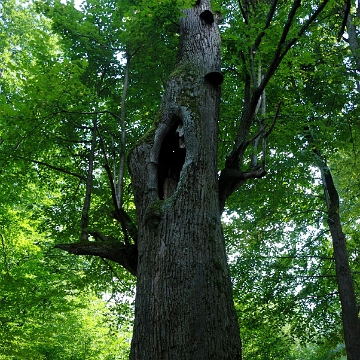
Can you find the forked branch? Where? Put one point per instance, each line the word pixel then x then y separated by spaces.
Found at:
pixel 231 178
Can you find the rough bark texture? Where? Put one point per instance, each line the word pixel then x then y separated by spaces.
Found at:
pixel 184 307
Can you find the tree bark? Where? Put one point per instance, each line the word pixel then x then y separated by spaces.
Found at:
pixel 349 310
pixel 350 319
pixel 353 39
pixel 184 307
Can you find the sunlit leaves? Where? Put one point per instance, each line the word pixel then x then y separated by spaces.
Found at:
pixel 62 67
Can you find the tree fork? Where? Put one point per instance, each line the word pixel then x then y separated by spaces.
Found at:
pixel 184 307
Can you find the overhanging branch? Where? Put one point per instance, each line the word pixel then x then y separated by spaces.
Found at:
pixel 57 168
pixel 125 255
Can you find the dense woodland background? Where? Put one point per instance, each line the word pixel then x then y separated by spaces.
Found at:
pixel 68 74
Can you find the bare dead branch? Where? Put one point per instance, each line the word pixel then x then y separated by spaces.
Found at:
pixel 88 185
pixel 127 225
pixel 123 135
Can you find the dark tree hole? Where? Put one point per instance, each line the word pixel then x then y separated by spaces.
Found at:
pixel 207 16
pixel 215 78
pixel 171 160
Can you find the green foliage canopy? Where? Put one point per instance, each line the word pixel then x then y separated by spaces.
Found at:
pixel 68 73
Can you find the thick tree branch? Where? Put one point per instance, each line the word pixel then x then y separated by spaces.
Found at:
pixel 312 18
pixel 351 322
pixel 125 255
pixel 282 48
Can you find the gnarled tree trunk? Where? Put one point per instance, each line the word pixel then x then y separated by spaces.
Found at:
pixel 184 307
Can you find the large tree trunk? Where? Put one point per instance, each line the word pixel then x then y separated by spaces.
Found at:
pixel 184 307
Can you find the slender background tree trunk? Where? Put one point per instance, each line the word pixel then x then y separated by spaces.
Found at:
pixel 349 312
pixel 184 307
